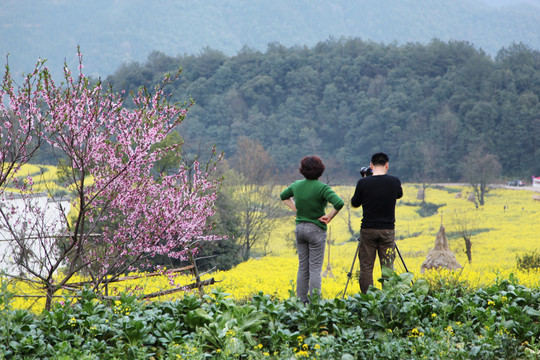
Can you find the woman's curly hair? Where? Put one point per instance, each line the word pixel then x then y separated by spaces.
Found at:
pixel 311 167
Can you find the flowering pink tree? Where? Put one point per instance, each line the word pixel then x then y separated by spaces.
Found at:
pixel 20 120
pixel 125 214
pixel 20 137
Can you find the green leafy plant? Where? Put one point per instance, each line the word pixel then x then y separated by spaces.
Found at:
pixel 405 319
pixel 227 326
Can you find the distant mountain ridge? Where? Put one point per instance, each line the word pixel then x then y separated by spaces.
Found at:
pixel 113 32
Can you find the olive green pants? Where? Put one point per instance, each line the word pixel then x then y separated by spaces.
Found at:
pixel 373 242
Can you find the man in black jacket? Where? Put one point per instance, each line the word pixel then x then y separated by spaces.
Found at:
pixel 377 194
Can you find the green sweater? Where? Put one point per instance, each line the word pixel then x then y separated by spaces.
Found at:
pixel 311 198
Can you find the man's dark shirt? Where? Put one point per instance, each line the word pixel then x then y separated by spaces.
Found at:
pixel 377 194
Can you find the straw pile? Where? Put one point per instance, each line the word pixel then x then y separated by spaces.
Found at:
pixel 440 257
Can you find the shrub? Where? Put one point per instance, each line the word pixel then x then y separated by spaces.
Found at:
pixel 528 261
pixel 427 209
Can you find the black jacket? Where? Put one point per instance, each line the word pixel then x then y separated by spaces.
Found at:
pixel 377 195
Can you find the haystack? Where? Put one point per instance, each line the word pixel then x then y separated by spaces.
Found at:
pixel 440 256
pixel 420 195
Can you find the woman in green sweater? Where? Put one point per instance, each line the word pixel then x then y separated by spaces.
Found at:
pixel 310 199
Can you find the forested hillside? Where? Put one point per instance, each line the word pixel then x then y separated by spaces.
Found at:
pixel 111 32
pixel 428 106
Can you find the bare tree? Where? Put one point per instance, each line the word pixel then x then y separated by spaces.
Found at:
pixel 254 193
pixel 347 213
pixel 429 155
pixel 464 222
pixel 481 169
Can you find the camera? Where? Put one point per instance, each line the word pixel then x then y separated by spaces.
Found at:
pixel 366 171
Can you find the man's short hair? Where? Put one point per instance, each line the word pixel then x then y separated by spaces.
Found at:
pixel 379 159
pixel 311 167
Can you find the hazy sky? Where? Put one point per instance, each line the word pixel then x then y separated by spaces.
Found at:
pixel 512 2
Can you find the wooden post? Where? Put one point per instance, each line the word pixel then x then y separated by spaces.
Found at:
pixel 328 271
pixel 195 270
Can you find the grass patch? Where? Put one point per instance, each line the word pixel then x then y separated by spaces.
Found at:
pixel 425 209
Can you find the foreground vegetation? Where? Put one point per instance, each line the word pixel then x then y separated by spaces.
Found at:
pixel 403 320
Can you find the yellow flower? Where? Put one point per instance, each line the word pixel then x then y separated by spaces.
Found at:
pixel 415 333
pixel 433 316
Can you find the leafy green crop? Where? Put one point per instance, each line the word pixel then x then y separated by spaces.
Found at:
pixel 405 319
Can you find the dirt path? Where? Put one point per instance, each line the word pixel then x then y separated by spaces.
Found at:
pixel 529 188
pixel 501 186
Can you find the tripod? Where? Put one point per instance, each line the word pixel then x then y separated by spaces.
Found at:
pixel 349 274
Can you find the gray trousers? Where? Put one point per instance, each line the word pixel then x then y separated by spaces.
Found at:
pixel 310 242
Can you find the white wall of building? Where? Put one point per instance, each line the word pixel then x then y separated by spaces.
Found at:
pixel 50 222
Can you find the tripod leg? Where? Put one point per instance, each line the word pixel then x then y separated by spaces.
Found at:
pixel 401 257
pixel 349 274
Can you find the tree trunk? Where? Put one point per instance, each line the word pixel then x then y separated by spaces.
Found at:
pixel 49 296
pixel 468 248
pixel 483 191
pixel 349 224
pixel 247 250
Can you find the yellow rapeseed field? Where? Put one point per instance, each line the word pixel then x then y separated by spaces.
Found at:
pixel 507 226
pixel 511 219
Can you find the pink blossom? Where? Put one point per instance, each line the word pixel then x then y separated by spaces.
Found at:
pixel 137 215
